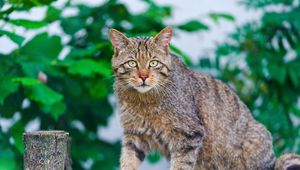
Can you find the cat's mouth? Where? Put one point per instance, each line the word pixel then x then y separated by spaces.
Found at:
pixel 143 85
pixel 143 88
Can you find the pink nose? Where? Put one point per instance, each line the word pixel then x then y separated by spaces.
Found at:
pixel 143 77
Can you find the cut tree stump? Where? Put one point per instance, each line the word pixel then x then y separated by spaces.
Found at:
pixel 47 150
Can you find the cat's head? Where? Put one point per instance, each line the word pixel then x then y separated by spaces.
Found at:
pixel 141 63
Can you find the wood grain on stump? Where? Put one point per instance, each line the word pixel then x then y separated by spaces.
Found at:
pixel 46 150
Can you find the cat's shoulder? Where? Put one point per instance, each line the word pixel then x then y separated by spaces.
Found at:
pixel 197 77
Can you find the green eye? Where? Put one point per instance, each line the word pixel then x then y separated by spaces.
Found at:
pixel 153 63
pixel 132 63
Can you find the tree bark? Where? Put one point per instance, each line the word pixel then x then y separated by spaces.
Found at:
pixel 47 150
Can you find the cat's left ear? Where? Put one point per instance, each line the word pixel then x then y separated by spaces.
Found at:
pixel 163 38
pixel 118 40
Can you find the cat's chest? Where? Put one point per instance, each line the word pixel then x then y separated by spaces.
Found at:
pixel 158 119
pixel 145 120
pixel 154 126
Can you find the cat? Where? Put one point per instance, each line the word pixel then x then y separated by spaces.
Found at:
pixel 194 120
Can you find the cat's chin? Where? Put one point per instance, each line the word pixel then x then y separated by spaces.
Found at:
pixel 143 89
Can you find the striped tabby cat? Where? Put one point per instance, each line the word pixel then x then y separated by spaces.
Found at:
pixel 195 121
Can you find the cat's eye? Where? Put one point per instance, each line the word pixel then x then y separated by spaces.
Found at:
pixel 153 63
pixel 132 63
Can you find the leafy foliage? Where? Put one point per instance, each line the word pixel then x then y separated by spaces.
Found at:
pixel 217 16
pixel 14 37
pixel 193 26
pixel 262 62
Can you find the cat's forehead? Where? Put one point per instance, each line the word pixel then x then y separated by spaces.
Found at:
pixel 142 44
pixel 142 41
pixel 143 48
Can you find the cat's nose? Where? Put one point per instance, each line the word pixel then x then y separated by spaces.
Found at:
pixel 143 77
pixel 143 74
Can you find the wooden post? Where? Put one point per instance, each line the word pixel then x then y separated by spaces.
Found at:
pixel 47 150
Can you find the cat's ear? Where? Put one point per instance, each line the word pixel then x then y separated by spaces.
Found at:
pixel 163 38
pixel 118 40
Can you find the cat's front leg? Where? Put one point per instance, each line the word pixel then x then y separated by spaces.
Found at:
pixel 133 152
pixel 185 160
pixel 185 156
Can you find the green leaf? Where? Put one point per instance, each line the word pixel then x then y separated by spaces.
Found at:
pixel 71 25
pixel 153 157
pixel 217 16
pixel 294 77
pixel 281 76
pixel 87 67
pixel 17 131
pixel 11 105
pixel 56 110
pixel 26 81
pixel 52 14
pixel 27 4
pixel 42 47
pixel 296 111
pixel 29 24
pixel 119 12
pixel 98 90
pixel 31 69
pixel 85 11
pixel 13 36
pixel 205 62
pixel 278 73
pixel 7 87
pixel 193 26
pixel 86 52
pixel 44 95
pixel 7 161
pixel 184 56
pixel 1 3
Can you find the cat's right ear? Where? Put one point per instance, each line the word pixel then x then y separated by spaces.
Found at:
pixel 163 38
pixel 118 40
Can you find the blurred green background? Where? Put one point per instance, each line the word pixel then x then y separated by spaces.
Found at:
pixel 260 60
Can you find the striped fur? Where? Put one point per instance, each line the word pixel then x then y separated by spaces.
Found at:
pixel 288 162
pixel 195 121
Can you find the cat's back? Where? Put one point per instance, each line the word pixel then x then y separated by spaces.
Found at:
pixel 216 102
pixel 211 94
pixel 233 136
